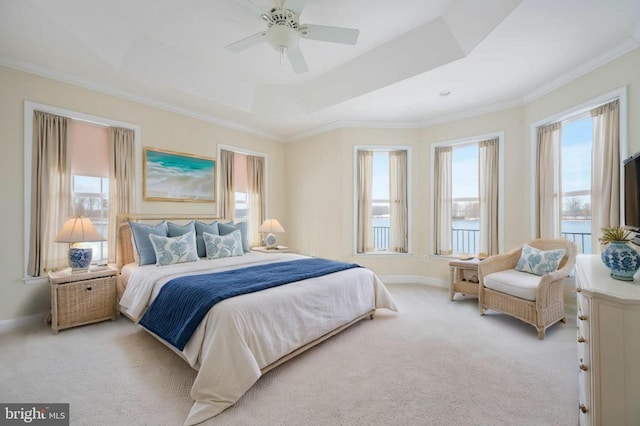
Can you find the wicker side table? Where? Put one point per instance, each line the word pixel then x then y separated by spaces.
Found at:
pixel 82 298
pixel 463 277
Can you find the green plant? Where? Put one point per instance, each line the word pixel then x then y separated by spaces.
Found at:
pixel 615 234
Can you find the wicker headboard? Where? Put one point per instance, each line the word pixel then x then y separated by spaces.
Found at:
pixel 126 250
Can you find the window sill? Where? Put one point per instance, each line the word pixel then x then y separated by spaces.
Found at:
pixel 382 253
pixel 35 280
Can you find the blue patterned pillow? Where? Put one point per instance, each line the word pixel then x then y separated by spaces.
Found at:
pixel 539 262
pixel 223 245
pixel 140 233
pixel 201 227
pixel 170 250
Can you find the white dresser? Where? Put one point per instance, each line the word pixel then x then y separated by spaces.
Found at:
pixel 608 345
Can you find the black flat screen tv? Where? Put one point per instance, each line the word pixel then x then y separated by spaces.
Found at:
pixel 632 192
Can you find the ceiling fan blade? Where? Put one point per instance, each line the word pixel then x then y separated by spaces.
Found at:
pixel 298 63
pixel 246 43
pixel 332 34
pixel 253 8
pixel 294 5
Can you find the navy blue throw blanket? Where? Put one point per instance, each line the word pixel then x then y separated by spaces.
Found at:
pixel 184 301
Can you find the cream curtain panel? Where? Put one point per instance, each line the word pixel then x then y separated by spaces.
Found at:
pixel 256 201
pixel 226 198
pixel 364 188
pixel 50 192
pixel 488 182
pixel 398 210
pixel 122 187
pixel 548 191
pixel 605 169
pixel 443 200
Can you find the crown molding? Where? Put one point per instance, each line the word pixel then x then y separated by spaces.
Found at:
pixel 487 109
pixel 352 124
pixel 612 54
pixel 111 91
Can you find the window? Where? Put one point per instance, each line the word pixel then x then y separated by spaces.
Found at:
pixel 465 210
pixel 241 189
pixel 90 196
pixel 380 201
pixel 381 204
pixel 572 149
pixel 467 177
pixel 90 180
pixel 78 183
pixel 576 144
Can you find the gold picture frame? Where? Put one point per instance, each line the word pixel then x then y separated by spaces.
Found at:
pixel 178 176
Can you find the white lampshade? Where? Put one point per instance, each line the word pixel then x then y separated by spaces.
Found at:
pixel 271 226
pixel 78 229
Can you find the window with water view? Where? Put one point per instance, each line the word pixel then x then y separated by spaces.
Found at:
pixel 465 211
pixel 91 199
pixel 577 140
pixel 380 202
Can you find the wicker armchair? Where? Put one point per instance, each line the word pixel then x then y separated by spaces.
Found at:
pixel 548 306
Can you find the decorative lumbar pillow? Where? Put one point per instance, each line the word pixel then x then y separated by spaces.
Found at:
pixel 143 246
pixel 218 246
pixel 175 230
pixel 227 228
pixel 170 250
pixel 201 227
pixel 539 262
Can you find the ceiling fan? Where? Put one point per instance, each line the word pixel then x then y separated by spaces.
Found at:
pixel 284 31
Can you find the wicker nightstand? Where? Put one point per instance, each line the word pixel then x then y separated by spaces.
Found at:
pixel 82 297
pixel 463 277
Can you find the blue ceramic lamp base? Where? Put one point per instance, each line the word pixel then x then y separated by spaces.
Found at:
pixel 80 258
pixel 270 241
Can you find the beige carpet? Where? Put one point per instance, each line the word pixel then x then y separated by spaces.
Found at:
pixel 434 363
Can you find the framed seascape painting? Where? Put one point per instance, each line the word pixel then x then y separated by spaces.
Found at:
pixel 175 176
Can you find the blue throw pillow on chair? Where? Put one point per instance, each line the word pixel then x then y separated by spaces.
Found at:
pixel 539 262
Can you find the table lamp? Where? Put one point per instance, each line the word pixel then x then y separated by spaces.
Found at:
pixel 271 226
pixel 79 229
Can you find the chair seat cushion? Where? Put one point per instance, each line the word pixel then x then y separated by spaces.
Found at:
pixel 514 283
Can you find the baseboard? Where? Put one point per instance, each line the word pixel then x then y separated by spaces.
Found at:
pixel 417 279
pixel 18 323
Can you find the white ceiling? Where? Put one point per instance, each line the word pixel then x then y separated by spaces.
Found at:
pixel 170 53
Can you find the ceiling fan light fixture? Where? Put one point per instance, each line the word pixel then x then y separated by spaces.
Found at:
pixel 282 38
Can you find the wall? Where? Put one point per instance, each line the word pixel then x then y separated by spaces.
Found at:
pixel 159 129
pixel 321 218
pixel 310 182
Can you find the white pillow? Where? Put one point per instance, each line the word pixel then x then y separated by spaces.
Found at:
pixel 170 250
pixel 218 246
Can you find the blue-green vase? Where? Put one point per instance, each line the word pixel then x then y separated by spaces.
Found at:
pixel 622 260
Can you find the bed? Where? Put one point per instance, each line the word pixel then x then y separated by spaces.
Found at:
pixel 243 337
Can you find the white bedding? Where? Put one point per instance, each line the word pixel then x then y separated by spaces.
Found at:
pixel 241 335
